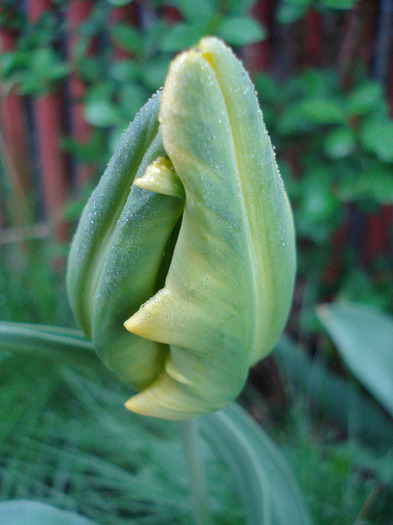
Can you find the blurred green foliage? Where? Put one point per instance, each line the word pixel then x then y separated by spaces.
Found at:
pixel 344 141
pixel 68 442
pixel 289 11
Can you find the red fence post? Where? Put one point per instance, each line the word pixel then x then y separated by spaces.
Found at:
pixel 14 141
pixel 313 38
pixel 376 237
pixel 77 13
pixel 127 13
pixel 257 57
pixel 48 121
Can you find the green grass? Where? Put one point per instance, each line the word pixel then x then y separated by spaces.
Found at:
pixel 338 488
pixel 345 481
pixel 67 440
pixel 32 276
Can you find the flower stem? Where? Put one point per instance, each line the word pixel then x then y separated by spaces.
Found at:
pixel 189 434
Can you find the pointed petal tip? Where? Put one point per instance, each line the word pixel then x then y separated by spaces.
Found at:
pixel 129 324
pixel 138 324
pixel 142 405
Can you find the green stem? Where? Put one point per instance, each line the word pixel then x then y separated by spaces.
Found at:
pixel 189 434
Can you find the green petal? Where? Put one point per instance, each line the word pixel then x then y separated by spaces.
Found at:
pixel 117 252
pixel 229 286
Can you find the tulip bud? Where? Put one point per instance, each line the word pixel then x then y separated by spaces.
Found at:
pixel 118 254
pixel 218 304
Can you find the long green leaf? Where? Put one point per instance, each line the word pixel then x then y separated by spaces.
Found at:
pixel 24 512
pixel 63 345
pixel 269 492
pixel 364 338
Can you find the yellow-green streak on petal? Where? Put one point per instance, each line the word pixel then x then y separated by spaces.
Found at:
pixel 229 286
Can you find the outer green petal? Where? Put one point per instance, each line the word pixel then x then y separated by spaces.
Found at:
pixel 117 252
pixel 229 286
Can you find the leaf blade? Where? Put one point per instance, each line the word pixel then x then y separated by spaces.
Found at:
pixel 267 486
pixel 36 513
pixel 364 338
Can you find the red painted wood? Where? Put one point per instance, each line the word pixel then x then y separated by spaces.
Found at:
pixel 48 118
pixel 313 38
pixel 77 13
pixel 171 14
pixel 356 42
pixel 126 14
pixel 377 233
pixel 257 57
pixel 36 8
pixel 8 39
pixel 14 140
pixel 334 266
pixel 48 122
pixel 374 241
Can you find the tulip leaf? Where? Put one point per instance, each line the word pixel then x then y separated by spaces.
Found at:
pixel 264 480
pixel 63 345
pixel 25 512
pixel 364 338
pixel 334 397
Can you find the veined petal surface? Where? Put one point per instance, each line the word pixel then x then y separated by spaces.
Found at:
pixel 229 285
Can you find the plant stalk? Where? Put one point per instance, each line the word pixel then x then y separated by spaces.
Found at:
pixel 189 434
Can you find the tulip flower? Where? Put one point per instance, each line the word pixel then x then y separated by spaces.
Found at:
pixel 188 240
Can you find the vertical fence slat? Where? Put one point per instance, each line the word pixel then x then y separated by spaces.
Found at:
pixel 375 241
pixel 14 142
pixel 354 45
pixel 258 56
pixel 127 13
pixel 378 224
pixel 48 122
pixel 313 38
pixel 78 13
